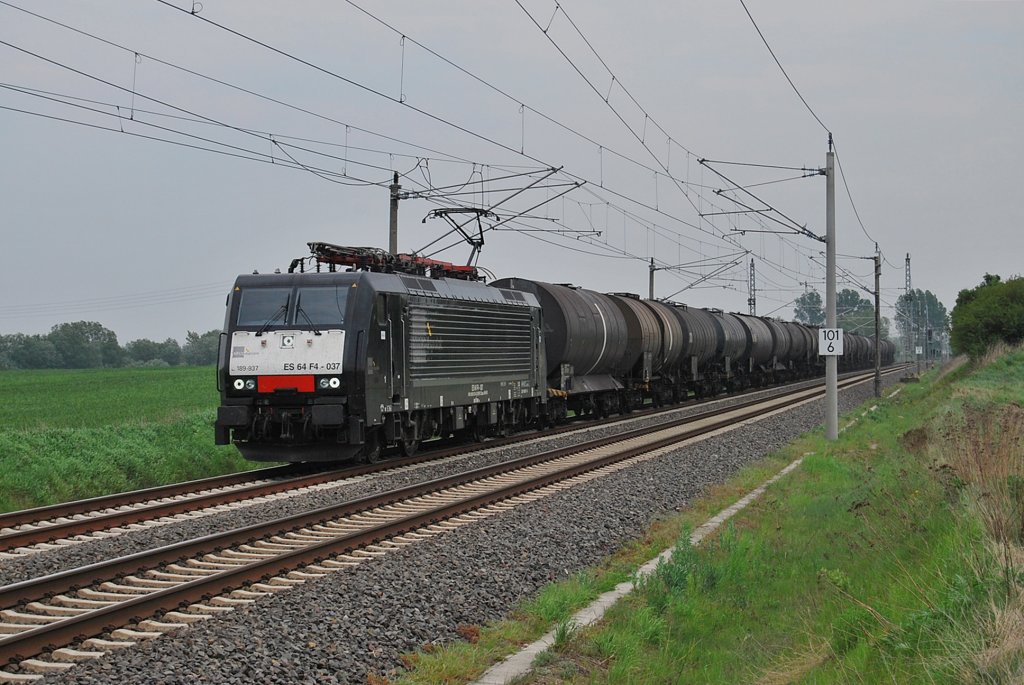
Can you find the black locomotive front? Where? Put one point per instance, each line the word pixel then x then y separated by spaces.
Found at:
pixel 287 371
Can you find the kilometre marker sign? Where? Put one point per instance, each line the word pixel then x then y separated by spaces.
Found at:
pixel 830 341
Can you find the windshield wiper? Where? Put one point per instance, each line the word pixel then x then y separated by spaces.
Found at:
pixel 270 322
pixel 299 310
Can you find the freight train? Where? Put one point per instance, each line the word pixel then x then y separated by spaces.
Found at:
pixel 339 363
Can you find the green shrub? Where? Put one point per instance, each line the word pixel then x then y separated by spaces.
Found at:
pixel 991 313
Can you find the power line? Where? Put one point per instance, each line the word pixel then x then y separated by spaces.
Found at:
pixel 277 144
pixel 227 84
pixel 842 175
pixel 520 103
pixel 574 131
pixel 616 81
pixel 813 114
pixel 351 82
pixel 115 303
pixel 250 155
pixel 792 225
pixel 783 69
pixel 238 151
pixel 115 299
pixel 272 138
pixel 165 104
pixel 605 98
pixel 400 101
pixel 430 115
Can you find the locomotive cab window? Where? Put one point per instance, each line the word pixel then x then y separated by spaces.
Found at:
pixel 263 306
pixel 321 306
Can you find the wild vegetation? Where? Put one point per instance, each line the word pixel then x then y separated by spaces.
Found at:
pixel 76 434
pixel 991 313
pixel 89 345
pixel 891 555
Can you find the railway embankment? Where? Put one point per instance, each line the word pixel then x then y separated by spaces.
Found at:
pixel 891 555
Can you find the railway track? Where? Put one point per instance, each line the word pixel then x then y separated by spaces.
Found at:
pixel 31 531
pixel 199 579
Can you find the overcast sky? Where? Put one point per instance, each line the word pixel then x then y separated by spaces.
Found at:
pixel 925 100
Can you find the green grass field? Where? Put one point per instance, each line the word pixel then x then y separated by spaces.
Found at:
pixel 67 435
pixel 95 398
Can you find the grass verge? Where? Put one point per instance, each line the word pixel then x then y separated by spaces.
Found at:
pixel 891 555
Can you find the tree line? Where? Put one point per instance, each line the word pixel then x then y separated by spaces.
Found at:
pixel 990 313
pixel 89 345
pixel 921 320
pixel 854 314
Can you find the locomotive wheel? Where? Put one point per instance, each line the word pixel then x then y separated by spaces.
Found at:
pixel 478 431
pixel 372 449
pixel 408 446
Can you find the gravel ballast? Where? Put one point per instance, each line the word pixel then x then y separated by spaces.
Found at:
pixel 339 628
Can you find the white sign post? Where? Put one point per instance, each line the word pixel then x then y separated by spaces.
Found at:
pixel 830 342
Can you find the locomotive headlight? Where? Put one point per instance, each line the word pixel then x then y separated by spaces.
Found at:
pixel 239 384
pixel 329 383
pixel 250 384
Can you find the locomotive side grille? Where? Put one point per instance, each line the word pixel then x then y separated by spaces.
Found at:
pixel 469 340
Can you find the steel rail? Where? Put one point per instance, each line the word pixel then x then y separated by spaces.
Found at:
pixel 21 517
pixel 48 533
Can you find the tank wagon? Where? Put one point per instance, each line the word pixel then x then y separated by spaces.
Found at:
pixel 337 364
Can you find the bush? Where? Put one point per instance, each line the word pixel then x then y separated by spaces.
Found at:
pixel 991 313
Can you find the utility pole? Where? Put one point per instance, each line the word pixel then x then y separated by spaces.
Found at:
pixel 908 316
pixel 831 362
pixel 921 330
pixel 878 322
pixel 393 236
pixel 927 335
pixel 651 296
pixel 752 290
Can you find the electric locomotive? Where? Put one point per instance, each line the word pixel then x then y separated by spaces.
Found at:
pixel 335 365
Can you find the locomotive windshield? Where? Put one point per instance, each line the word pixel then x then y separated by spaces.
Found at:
pixel 263 306
pixel 308 306
pixel 321 306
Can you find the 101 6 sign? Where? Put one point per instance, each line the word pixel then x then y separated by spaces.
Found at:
pixel 830 342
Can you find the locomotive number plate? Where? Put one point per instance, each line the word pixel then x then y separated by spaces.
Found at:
pixel 285 353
